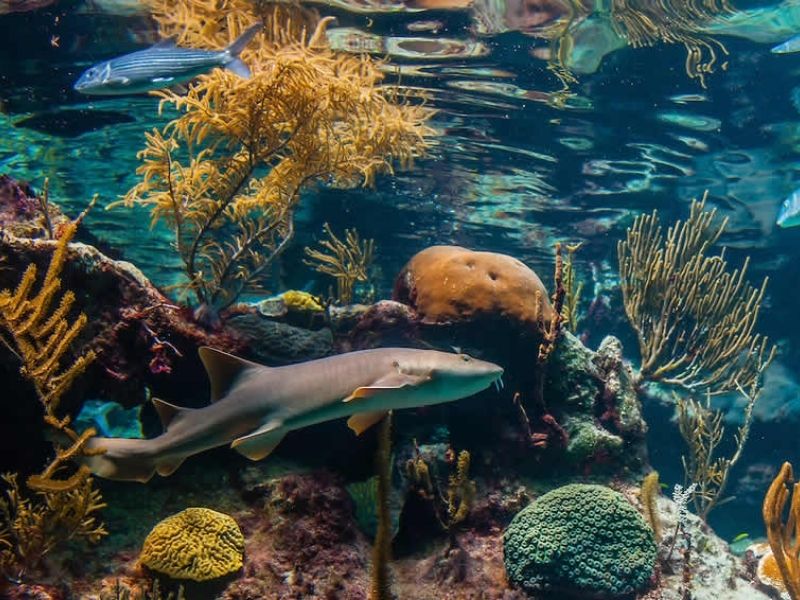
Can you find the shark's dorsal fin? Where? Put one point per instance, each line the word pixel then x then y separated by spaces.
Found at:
pixel 261 442
pixel 360 422
pixel 169 42
pixel 392 381
pixel 223 369
pixel 167 412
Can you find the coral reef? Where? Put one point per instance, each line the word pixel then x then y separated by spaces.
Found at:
pixel 582 540
pixel 302 542
pixel 450 284
pixel 197 544
pixel 714 572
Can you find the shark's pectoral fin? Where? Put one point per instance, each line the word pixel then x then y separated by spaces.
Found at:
pixel 168 413
pixel 167 466
pixel 360 422
pixel 260 443
pixel 395 381
pixel 223 369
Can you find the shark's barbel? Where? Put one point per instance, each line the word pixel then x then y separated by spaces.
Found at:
pixel 253 407
pixel 160 66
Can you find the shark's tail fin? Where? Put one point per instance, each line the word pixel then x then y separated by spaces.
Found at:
pixel 233 51
pixel 128 460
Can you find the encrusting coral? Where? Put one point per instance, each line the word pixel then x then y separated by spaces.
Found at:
pixel 784 538
pixel 196 544
pixel 583 540
pixel 347 261
pixel 226 174
pixel 694 318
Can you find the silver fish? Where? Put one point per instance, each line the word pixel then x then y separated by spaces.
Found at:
pixel 790 45
pixel 160 66
pixel 789 213
pixel 254 407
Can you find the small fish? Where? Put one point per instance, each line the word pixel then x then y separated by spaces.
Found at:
pixel 789 214
pixel 160 66
pixel 790 45
pixel 740 537
pixel 254 407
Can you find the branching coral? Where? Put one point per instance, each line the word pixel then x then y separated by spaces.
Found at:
pixel 572 290
pixel 227 173
pixel 647 22
pixel 41 336
pixel 694 318
pixel 31 528
pixel 551 330
pixel 347 261
pixel 702 429
pixel 784 538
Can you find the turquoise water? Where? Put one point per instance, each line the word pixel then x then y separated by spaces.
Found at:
pixel 520 163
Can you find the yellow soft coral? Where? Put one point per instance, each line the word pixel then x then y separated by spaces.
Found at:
pixel 198 544
pixel 227 173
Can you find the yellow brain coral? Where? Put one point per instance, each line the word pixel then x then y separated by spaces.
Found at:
pixel 199 544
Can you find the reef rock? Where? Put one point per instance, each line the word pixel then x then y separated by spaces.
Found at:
pixel 451 284
pixel 591 395
pixel 277 343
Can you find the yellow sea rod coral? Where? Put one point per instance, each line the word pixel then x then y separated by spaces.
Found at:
pixel 197 544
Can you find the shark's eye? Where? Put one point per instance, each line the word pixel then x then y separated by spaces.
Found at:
pixel 466 357
pixel 91 72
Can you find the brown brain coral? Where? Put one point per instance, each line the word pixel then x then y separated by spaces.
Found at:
pixel 448 284
pixel 197 544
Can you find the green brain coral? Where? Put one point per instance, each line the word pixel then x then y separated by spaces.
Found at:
pixel 198 544
pixel 580 539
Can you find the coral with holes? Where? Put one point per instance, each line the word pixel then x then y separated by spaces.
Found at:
pixel 450 284
pixel 580 540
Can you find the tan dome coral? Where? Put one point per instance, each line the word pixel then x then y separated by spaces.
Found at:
pixel 449 284
pixel 197 544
